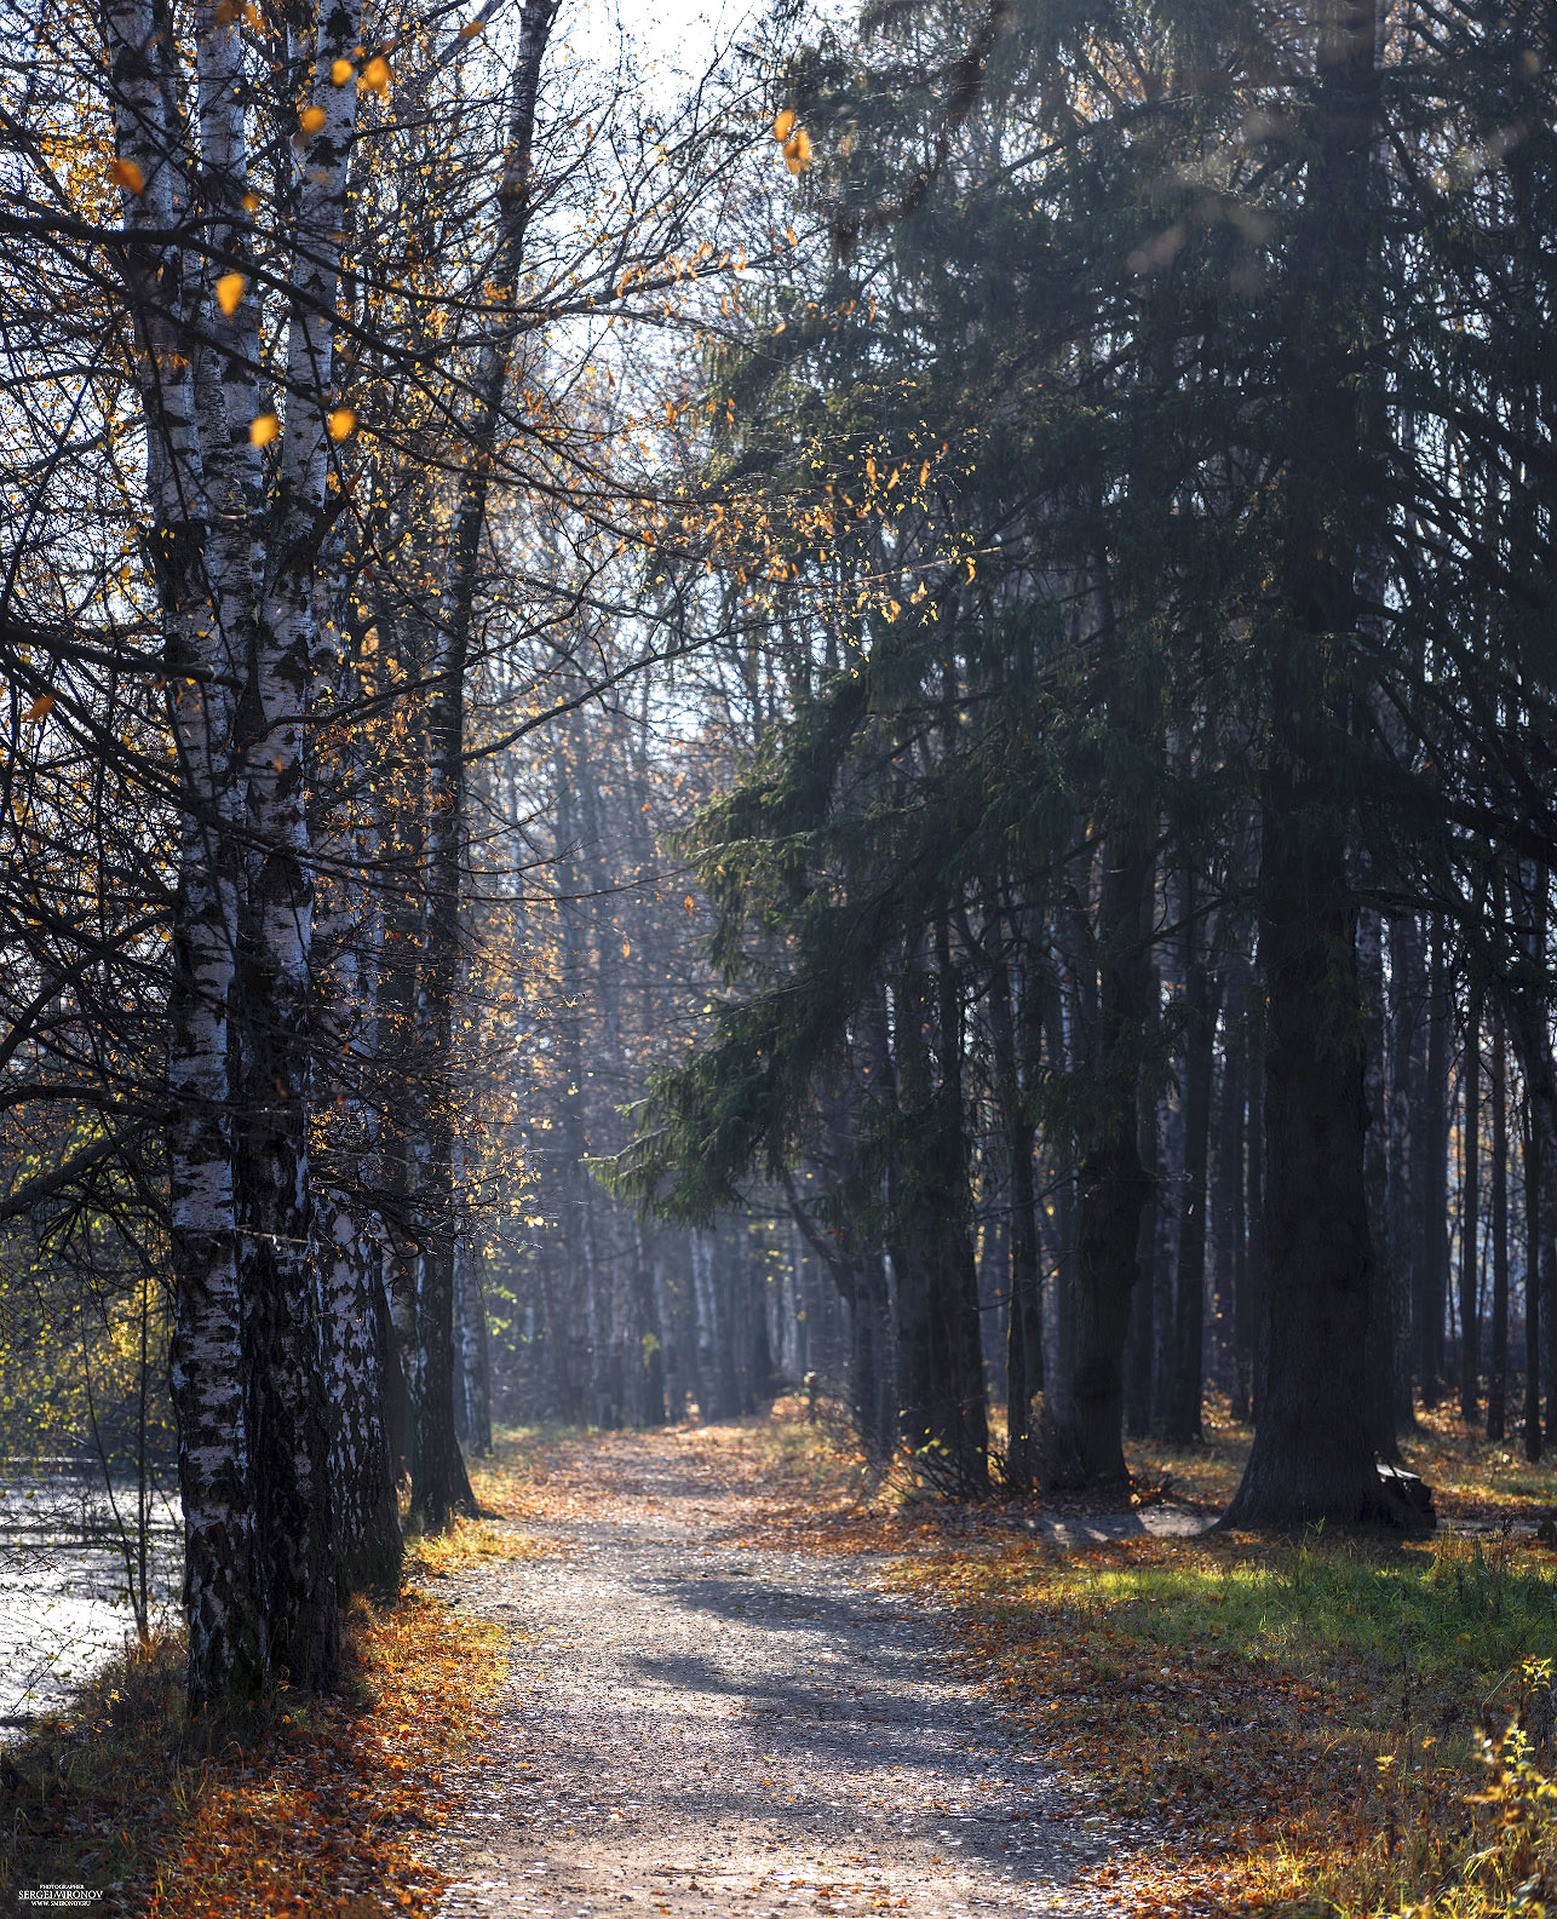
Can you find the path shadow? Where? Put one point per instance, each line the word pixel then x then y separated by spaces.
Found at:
pixel 884 1703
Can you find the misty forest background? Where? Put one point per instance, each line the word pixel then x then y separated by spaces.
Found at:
pixel 881 711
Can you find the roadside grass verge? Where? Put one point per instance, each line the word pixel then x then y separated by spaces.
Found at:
pixel 1314 1726
pixel 1302 1723
pixel 312 1807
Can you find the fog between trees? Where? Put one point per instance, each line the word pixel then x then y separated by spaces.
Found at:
pixel 887 717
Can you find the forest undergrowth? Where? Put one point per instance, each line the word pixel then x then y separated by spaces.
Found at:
pixel 1316 1726
pixel 1312 1726
pixel 313 1807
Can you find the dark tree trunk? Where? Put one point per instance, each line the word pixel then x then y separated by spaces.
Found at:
pixel 1141 1362
pixel 1024 1326
pixel 1406 1097
pixel 1312 1457
pixel 651 1336
pixel 475 1363
pixel 1528 1015
pixel 1088 1449
pixel 940 1353
pixel 1382 1345
pixel 1229 1226
pixel 1251 1301
pixel 1182 1405
pixel 1533 1171
pixel 1433 1196
pixel 1497 1375
pixel 1470 1217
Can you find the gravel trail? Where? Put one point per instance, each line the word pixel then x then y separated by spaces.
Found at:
pixel 696 1726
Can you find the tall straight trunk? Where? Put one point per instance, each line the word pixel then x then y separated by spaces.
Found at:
pixel 395 1093
pixel 347 1235
pixel 291 1415
pixel 1408 1153
pixel 651 1337
pixel 1085 1445
pixel 1312 1456
pixel 1251 1312
pixel 473 1386
pixel 1382 1344
pixel 1497 1373
pixel 871 1366
pixel 1024 1337
pixel 1434 1193
pixel 1158 1263
pixel 939 1344
pixel 1470 1213
pixel 1533 1172
pixel 1529 1023
pixel 1229 1225
pixel 440 1487
pixel 1065 1031
pixel 1141 1356
pixel 1182 1406
pixel 229 1652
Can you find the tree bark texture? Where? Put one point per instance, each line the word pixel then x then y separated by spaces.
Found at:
pixel 229 1651
pixel 1470 1214
pixel 1116 1188
pixel 1497 1370
pixel 1313 1455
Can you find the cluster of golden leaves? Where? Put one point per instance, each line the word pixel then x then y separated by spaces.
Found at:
pixel 794 141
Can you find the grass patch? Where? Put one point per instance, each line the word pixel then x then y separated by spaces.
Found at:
pixel 1305 1722
pixel 320 1807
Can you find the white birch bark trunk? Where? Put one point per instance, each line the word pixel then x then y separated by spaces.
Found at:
pixel 348 1235
pixel 297 1547
pixel 228 1650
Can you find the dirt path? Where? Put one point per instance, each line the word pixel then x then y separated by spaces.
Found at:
pixel 694 1725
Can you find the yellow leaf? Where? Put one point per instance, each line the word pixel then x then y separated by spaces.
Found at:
pixel 263 429
pixel 340 72
pixel 797 151
pixel 471 28
pixel 128 175
pixel 229 291
pixel 39 707
pixel 783 126
pixel 342 423
pixel 251 203
pixel 375 76
pixel 313 119
pixel 226 13
pixel 689 903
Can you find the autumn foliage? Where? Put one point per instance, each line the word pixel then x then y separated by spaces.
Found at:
pixel 327 1807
